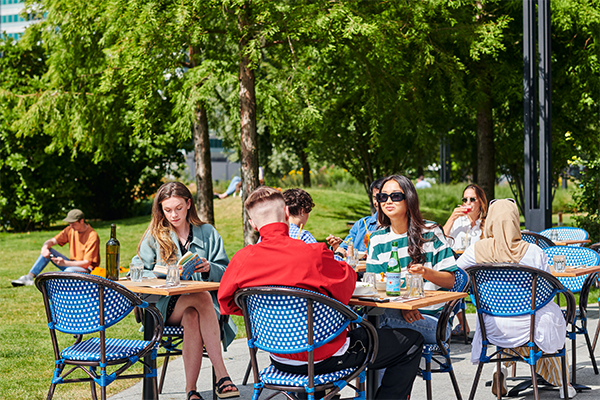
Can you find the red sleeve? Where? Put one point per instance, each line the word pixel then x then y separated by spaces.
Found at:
pixel 228 287
pixel 339 279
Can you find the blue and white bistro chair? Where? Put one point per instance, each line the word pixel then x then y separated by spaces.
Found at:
pixel 578 256
pixel 508 290
pixel 82 304
pixel 565 233
pixel 596 248
pixel 284 320
pixel 535 238
pixel 439 352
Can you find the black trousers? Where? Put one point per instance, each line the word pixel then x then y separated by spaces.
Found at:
pixel 399 353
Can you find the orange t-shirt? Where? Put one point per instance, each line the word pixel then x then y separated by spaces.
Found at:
pixel 82 246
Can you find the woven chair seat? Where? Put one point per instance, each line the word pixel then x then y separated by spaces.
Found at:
pixel 116 349
pixel 272 376
pixel 434 348
pixel 173 330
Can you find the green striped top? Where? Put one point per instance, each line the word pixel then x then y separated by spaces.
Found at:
pixel 437 252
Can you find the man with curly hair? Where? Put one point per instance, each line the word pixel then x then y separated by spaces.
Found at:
pixel 300 205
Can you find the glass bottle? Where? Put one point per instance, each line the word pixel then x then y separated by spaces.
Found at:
pixel 393 276
pixel 113 252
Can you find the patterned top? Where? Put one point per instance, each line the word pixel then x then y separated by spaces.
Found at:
pixel 304 235
pixel 438 254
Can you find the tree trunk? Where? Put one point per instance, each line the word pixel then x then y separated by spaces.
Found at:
pixel 248 135
pixel 204 187
pixel 486 160
pixel 305 169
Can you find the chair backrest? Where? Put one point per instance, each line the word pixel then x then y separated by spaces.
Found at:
pixel 537 239
pixel 82 303
pixel 566 233
pixel 461 284
pixel 280 318
pixel 575 256
pixel 506 290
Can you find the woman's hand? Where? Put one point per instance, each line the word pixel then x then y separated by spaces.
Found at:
pixel 417 269
pixel 333 241
pixel 204 267
pixel 411 316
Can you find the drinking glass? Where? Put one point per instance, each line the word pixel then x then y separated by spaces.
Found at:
pixel 352 259
pixel 367 236
pixel 172 275
pixel 560 263
pixel 369 277
pixel 136 271
pixel 415 285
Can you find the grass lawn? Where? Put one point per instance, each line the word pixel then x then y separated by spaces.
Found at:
pixel 26 361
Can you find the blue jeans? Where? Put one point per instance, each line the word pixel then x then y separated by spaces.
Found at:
pixel 427 327
pixel 231 188
pixel 42 261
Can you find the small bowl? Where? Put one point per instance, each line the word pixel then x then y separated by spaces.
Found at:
pixel 380 285
pixel 362 288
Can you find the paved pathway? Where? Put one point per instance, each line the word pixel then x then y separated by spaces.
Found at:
pixel 236 360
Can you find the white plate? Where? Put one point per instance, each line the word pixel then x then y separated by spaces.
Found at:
pixel 363 289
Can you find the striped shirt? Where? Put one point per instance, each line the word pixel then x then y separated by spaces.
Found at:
pixel 437 252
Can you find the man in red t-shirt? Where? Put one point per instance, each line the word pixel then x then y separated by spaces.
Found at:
pixel 84 248
pixel 281 260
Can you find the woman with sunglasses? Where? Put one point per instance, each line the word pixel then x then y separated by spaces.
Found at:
pixel 465 225
pixel 422 249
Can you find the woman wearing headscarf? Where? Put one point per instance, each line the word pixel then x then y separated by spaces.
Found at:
pixel 502 243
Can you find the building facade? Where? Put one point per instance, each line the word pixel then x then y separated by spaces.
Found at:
pixel 12 20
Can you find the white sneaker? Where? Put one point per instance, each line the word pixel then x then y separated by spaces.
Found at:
pixel 571 392
pixel 503 375
pixel 25 280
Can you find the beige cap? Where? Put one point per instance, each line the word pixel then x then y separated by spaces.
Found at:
pixel 74 216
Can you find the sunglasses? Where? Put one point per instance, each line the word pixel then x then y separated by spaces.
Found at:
pixel 465 199
pixel 396 197
pixel 495 200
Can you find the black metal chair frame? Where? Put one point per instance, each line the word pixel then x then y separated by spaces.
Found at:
pixel 505 354
pixel 89 367
pixel 240 299
pixel 539 238
pixel 445 364
pixel 171 344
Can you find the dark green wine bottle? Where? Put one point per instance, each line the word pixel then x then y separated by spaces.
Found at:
pixel 113 255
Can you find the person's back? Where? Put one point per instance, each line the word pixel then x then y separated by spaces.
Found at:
pixel 281 260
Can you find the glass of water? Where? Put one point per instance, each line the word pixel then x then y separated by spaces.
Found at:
pixel 136 271
pixel 416 285
pixel 172 275
pixel 560 263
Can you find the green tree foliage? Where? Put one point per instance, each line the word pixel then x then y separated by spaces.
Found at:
pixel 82 151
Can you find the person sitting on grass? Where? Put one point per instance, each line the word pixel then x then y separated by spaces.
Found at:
pixel 84 249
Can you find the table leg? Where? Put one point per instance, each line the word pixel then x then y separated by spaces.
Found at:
pixel 150 388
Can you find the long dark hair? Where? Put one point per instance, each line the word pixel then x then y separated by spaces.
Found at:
pixel 416 224
pixel 483 204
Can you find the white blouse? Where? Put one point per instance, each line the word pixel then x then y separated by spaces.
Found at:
pixel 508 332
pixel 463 234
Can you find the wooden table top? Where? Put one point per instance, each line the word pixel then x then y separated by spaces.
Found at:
pixel 570 242
pixel 148 286
pixel 431 297
pixel 572 272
